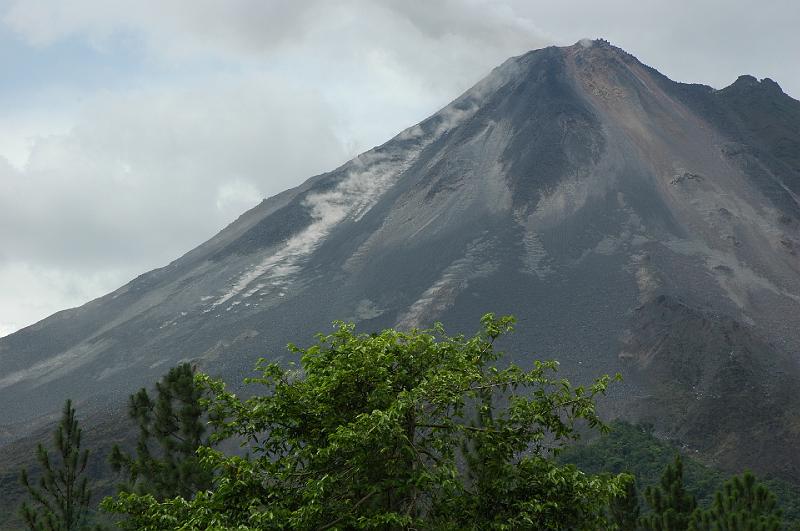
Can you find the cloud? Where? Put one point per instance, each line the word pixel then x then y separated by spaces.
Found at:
pixel 162 169
pixel 708 40
pixel 224 102
pixel 258 26
pixel 145 175
pixel 31 292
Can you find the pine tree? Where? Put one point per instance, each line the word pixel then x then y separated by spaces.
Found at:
pixel 742 504
pixel 171 429
pixel 671 504
pixel 61 499
pixel 625 510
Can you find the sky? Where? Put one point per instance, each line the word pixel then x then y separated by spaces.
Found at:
pixel 131 132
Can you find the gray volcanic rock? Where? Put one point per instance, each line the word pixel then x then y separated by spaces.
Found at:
pixel 630 222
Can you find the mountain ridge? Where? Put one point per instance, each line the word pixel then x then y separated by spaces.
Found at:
pixel 575 187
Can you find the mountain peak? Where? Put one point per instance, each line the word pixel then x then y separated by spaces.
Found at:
pixel 747 83
pixel 599 44
pixel 746 80
pixel 591 43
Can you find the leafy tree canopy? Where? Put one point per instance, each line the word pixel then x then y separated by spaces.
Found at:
pixel 394 430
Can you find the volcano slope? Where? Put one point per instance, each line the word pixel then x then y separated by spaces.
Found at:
pixel 630 222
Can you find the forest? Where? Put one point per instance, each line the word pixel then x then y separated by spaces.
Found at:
pixel 390 430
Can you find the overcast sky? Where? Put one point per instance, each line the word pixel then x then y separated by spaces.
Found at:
pixel 130 132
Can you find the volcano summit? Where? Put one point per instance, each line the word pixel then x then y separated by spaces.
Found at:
pixel 630 222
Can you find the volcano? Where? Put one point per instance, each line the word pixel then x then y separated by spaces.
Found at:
pixel 633 224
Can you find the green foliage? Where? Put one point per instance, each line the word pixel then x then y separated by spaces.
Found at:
pixel 61 499
pixel 394 430
pixel 743 504
pixel 671 504
pixel 634 450
pixel 624 508
pixel 171 429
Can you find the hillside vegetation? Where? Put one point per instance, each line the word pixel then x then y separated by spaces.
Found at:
pixel 391 430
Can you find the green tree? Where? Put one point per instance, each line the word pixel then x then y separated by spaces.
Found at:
pixel 61 499
pixel 171 429
pixel 371 432
pixel 743 504
pixel 671 504
pixel 624 508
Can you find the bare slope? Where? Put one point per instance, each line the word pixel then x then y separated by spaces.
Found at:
pixel 632 223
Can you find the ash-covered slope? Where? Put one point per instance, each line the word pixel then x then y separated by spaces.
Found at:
pixel 632 224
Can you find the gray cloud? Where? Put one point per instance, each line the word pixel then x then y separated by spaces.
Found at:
pixel 161 168
pixel 711 40
pixel 143 174
pixel 142 177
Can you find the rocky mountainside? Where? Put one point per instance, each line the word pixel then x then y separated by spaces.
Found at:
pixel 630 222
